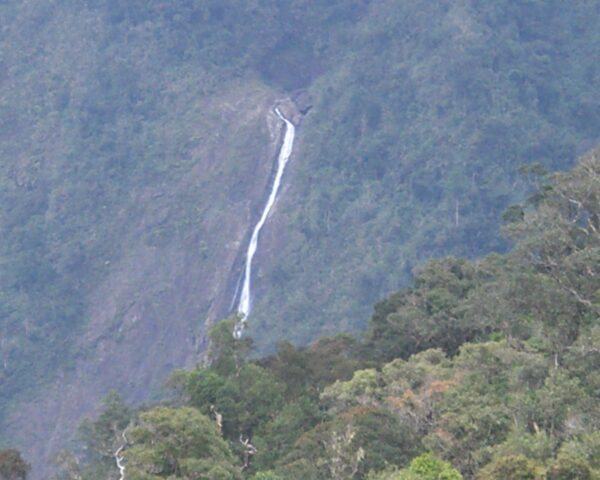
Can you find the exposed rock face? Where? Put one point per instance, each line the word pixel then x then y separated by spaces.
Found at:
pixel 149 315
pixel 302 101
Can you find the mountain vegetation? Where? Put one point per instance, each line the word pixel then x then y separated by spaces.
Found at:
pixel 421 120
pixel 136 143
pixel 483 369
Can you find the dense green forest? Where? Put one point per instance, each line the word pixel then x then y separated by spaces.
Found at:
pixel 422 117
pixel 135 146
pixel 484 369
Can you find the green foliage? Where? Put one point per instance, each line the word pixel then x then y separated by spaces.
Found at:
pixel 497 379
pixel 537 446
pixel 310 369
pixel 266 476
pixel 200 386
pixel 384 438
pixel 430 314
pixel 517 467
pixel 422 114
pixel 413 149
pixel 114 419
pixel 577 459
pixel 178 444
pixel 428 467
pixel 245 400
pixel 359 390
pixel 423 467
pixel 226 355
pixel 101 438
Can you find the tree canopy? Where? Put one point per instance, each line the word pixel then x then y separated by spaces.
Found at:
pixel 481 369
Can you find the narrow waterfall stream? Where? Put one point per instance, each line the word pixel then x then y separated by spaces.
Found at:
pixel 245 303
pixel 119 459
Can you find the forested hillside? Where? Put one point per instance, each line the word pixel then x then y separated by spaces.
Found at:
pixel 480 369
pixel 136 143
pixel 128 179
pixel 414 144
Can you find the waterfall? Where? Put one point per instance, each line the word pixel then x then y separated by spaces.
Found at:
pixel 245 303
pixel 119 461
pixel 119 458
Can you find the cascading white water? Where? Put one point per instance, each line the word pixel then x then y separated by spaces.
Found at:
pixel 245 303
pixel 119 459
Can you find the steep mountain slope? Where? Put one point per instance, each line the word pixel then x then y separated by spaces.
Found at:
pixel 147 314
pixel 136 142
pixel 128 183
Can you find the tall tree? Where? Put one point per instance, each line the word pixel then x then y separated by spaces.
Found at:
pixel 179 444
